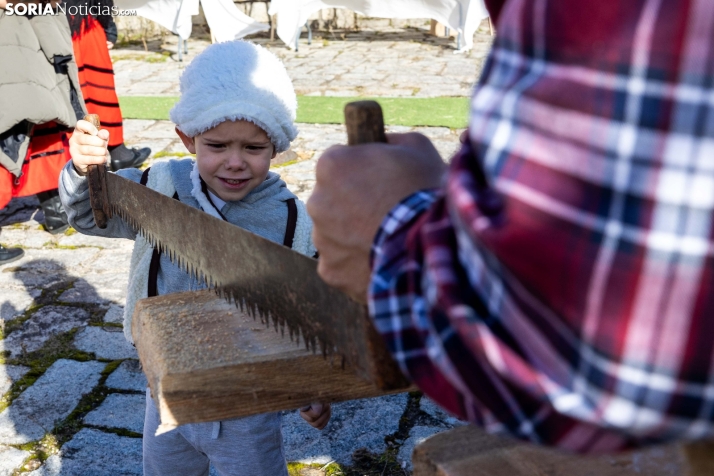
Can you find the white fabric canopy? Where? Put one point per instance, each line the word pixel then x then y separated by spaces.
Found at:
pixel 226 21
pixel 463 16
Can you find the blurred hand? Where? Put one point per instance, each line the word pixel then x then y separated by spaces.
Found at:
pixel 110 45
pixel 317 414
pixel 355 188
pixel 88 146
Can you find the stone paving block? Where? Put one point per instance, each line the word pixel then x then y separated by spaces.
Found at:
pixel 94 453
pixel 44 323
pixel 162 130
pixel 135 127
pixel 11 459
pixel 10 374
pixel 78 239
pixel 355 424
pixel 46 267
pixel 128 376
pixel 156 145
pixel 114 314
pixel 97 289
pixel 82 292
pixel 15 299
pixel 51 399
pixel 33 238
pixel 416 436
pixel 119 411
pixel 113 259
pixel 105 343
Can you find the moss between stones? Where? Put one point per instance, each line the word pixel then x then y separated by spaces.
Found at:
pixel 57 347
pixel 56 246
pixel 285 164
pixel 65 430
pixel 299 469
pixel 165 153
pixel 147 58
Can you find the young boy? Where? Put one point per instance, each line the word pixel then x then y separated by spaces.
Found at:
pixel 235 113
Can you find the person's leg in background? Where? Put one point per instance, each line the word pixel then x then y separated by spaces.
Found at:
pixel 96 77
pixel 7 255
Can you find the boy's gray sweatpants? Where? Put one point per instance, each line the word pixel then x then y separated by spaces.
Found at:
pixel 251 446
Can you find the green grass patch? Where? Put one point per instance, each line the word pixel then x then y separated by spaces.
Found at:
pixel 449 112
pixel 300 469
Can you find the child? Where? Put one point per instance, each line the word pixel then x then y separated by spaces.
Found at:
pixel 235 113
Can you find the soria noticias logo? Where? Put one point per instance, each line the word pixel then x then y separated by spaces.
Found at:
pixel 60 9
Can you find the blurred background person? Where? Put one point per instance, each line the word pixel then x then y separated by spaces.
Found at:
pixel 40 100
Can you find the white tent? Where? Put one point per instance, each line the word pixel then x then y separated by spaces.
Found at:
pixel 226 21
pixel 463 16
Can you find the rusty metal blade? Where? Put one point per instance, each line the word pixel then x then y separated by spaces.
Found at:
pixel 275 283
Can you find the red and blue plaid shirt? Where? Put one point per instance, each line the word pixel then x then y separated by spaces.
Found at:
pixel 583 315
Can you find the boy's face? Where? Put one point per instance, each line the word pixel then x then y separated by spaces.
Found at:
pixel 233 158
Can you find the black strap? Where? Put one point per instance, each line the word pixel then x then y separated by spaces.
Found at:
pixel 155 256
pixel 292 223
pixel 145 177
pixel 204 189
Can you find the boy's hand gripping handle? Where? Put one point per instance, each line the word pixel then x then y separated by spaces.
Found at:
pixel 98 185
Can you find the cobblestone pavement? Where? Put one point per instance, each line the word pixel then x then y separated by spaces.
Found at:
pixel 72 390
pixel 379 62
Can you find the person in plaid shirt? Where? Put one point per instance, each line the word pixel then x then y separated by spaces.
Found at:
pixel 565 295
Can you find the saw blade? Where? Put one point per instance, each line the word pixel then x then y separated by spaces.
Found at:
pixel 266 279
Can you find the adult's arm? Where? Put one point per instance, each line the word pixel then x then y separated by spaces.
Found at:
pixel 582 320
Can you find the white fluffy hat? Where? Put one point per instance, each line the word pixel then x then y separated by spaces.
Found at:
pixel 237 80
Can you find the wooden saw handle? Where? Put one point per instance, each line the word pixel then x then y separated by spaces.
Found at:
pixel 364 122
pixel 98 185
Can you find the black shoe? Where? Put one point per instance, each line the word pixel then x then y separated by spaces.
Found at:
pixel 124 158
pixel 8 255
pixel 55 216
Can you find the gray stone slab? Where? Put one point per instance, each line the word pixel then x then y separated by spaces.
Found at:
pixel 113 260
pixel 43 268
pixel 417 435
pixel 44 323
pixel 11 459
pixel 80 240
pixel 106 343
pixel 15 299
pixel 105 288
pixel 94 453
pixel 10 374
pixel 128 376
pixel 355 424
pixel 115 314
pixel 119 411
pixel 51 399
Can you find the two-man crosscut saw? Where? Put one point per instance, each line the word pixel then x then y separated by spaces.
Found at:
pixel 273 282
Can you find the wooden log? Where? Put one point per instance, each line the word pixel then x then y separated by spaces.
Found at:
pixel 205 360
pixel 469 451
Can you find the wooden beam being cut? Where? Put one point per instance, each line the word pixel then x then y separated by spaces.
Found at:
pixel 205 360
pixel 469 451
